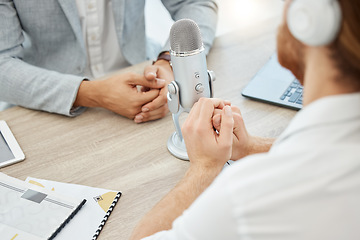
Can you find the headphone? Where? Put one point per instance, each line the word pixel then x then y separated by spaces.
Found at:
pixel 314 22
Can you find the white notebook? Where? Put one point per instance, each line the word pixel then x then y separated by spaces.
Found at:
pixel 29 212
pixel 89 222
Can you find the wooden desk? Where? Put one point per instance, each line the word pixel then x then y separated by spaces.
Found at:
pixel 102 149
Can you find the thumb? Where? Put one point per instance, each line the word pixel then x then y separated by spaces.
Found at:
pixel 150 72
pixel 227 124
pixel 142 81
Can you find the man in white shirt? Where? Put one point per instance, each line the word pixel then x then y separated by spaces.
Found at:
pixel 306 185
pixel 49 49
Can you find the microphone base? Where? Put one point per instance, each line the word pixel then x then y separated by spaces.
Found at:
pixel 177 147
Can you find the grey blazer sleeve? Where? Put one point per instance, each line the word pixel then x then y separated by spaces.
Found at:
pixel 27 85
pixel 203 12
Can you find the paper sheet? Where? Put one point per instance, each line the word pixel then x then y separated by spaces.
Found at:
pixel 28 212
pixel 85 224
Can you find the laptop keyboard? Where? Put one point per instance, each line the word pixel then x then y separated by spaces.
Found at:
pixel 294 93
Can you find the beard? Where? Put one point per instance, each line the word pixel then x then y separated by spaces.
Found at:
pixel 290 52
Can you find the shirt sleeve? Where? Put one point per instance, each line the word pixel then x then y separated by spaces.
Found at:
pixel 209 217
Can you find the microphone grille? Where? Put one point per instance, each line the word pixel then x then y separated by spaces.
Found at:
pixel 185 36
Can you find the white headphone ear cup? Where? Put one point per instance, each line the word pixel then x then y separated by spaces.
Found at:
pixel 314 22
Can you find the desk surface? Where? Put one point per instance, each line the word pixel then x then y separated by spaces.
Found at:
pixel 102 149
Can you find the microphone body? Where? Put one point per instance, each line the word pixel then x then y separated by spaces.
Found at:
pixel 191 76
pixel 192 79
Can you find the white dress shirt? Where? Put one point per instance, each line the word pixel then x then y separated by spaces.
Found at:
pixel 98 27
pixel 306 187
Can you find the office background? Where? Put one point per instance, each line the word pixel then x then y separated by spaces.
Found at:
pixel 233 15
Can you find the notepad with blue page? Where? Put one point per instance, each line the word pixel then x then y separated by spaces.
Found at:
pixel 31 212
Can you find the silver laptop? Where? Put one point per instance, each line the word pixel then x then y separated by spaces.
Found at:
pixel 276 85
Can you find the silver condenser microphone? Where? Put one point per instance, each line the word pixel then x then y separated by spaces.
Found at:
pixel 192 79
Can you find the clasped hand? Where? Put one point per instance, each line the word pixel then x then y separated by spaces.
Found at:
pixel 120 93
pixel 157 108
pixel 214 132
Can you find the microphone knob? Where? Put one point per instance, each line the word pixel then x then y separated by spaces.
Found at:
pixel 199 88
pixel 172 89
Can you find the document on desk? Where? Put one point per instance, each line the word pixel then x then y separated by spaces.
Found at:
pixel 88 223
pixel 28 212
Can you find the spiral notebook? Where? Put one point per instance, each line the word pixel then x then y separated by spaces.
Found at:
pixel 28 212
pixel 89 222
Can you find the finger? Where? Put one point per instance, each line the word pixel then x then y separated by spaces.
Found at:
pixel 142 81
pixel 217 117
pixel 158 102
pixel 208 106
pixel 152 115
pixel 235 109
pixel 217 122
pixel 151 72
pixel 205 107
pixel 227 102
pixel 204 111
pixel 227 125
pixel 239 126
pixel 192 117
pixel 217 111
pixel 143 98
pixel 219 103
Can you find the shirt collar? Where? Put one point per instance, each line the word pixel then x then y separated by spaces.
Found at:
pixel 324 111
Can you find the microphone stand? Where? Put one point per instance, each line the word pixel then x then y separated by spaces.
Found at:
pixel 176 143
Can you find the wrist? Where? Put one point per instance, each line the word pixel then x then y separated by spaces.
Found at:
pixel 88 94
pixel 200 178
pixel 164 65
pixel 162 62
pixel 259 145
pixel 163 58
pixel 210 170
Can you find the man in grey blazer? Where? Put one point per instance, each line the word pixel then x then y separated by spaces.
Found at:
pixel 44 55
